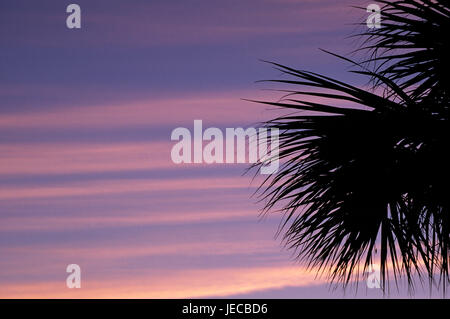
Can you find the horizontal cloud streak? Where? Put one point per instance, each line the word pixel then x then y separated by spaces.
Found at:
pixel 59 158
pixel 184 284
pixel 46 224
pixel 120 186
pixel 214 108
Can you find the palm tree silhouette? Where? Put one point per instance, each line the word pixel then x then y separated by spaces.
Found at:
pixel 363 168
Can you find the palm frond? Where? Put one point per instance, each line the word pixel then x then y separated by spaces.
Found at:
pixel 356 176
pixel 411 46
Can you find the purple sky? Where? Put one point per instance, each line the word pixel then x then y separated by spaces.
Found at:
pixel 85 122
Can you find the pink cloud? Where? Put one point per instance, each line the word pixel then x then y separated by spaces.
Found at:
pixel 122 186
pixel 176 284
pixel 122 219
pixel 216 108
pixel 63 158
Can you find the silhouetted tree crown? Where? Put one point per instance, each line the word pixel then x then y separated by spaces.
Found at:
pixel 370 168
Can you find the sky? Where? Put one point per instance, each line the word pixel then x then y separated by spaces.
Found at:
pixel 86 117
